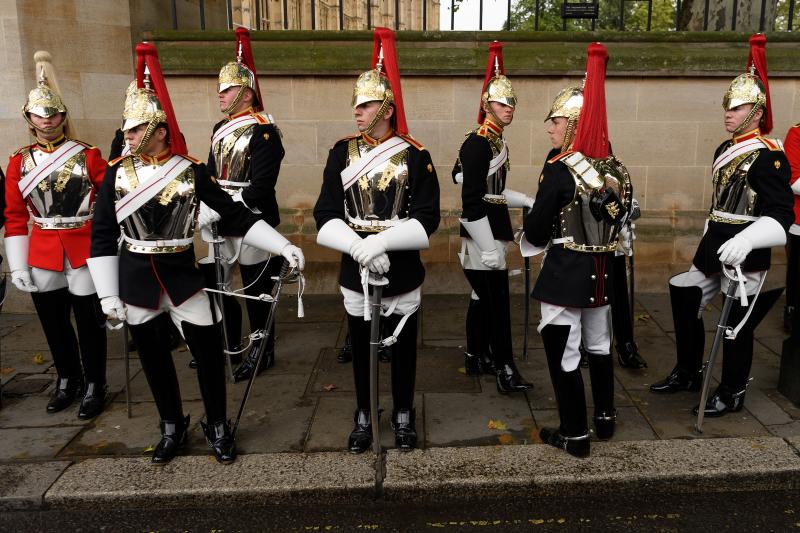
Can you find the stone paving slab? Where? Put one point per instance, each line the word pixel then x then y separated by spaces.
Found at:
pixel 23 485
pixel 199 481
pixel 25 444
pixel 643 467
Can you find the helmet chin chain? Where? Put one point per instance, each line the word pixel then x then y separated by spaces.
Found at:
pixel 748 119
pixel 378 116
pixel 236 100
pixel 151 128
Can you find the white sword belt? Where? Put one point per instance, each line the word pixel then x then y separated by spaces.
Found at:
pixel 730 218
pixel 61 222
pixel 373 226
pixel 494 198
pixel 161 246
pixel 234 184
pixel 569 244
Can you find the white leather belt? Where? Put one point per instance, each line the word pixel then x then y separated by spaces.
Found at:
pixel 160 246
pixel 722 214
pixel 228 183
pixel 360 224
pixel 61 222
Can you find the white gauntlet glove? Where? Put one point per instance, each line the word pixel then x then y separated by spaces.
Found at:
pixel 765 232
pixel 480 231
pixel 492 259
pixel 368 248
pixel 113 307
pixel 380 265
pixel 22 280
pixel 294 255
pixel 206 216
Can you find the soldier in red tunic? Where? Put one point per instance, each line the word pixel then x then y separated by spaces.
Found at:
pixel 55 181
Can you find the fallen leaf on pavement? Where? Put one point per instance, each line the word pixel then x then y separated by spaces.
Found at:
pixel 6 370
pixel 496 424
pixel 643 317
pixel 148 449
pixel 463 370
pixel 38 359
pixel 330 387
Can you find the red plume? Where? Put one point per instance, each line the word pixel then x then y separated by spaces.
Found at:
pixel 758 58
pixel 385 37
pixel 243 39
pixel 591 139
pixel 148 55
pixel 495 51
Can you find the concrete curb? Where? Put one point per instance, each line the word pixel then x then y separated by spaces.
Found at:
pixel 433 475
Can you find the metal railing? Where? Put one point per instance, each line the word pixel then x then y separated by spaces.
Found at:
pixel 543 15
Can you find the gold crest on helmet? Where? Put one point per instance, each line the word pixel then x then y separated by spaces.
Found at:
pixel 372 86
pixel 142 107
pixel 236 74
pixel 44 100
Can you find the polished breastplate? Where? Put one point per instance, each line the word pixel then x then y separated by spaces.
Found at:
pixel 732 192
pixel 65 194
pixel 378 199
pixel 232 156
pixel 496 183
pixel 167 219
pixel 581 227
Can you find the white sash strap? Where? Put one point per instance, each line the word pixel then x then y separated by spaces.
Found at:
pixel 147 190
pixel 52 162
pixel 232 126
pixel 499 160
pixel 735 150
pixel 377 156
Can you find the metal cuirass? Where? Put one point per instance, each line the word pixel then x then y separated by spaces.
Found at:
pixel 379 199
pixel 169 215
pixel 232 157
pixel 65 193
pixel 496 183
pixel 732 192
pixel 580 228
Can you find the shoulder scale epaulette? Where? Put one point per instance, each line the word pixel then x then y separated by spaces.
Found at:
pixel 192 159
pixel 560 156
pixel 117 160
pixel 412 141
pixel 773 144
pixel 264 118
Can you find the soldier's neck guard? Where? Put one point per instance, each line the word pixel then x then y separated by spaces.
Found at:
pixel 158 159
pixel 372 141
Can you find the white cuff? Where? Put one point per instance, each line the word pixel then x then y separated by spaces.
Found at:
pixel 337 235
pixel 264 237
pixel 410 235
pixel 517 199
pixel 796 186
pixel 765 232
pixel 481 232
pixel 105 274
pixel 17 252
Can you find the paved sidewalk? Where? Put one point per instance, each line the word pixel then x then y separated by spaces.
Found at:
pixel 305 403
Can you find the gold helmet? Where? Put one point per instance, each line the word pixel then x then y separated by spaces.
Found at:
pixel 499 89
pixel 752 87
pixel 568 105
pixel 44 100
pixel 142 107
pixel 240 73
pixel 373 86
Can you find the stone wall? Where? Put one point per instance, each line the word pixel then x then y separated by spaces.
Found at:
pixel 663 96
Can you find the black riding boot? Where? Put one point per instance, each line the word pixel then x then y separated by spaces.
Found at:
pixel 257 279
pixel 206 345
pixel 572 435
pixel 737 356
pixel 230 308
pixel 53 308
pixel 477 358
pixel 404 372
pixel 90 319
pixel 601 373
pixel 690 339
pixel 159 369
pixel 345 355
pixel 627 351
pixel 361 437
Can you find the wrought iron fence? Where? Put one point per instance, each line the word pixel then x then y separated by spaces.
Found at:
pixel 537 15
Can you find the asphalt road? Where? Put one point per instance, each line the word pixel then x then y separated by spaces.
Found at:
pixel 742 511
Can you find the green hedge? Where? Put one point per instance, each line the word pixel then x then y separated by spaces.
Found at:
pixel 464 53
